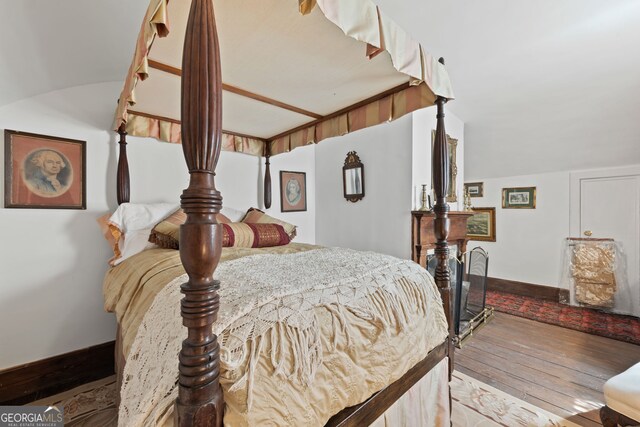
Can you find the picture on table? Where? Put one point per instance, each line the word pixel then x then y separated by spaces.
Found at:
pixel 474 189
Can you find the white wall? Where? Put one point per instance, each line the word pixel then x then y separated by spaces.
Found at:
pixel 239 177
pixel 301 159
pixel 52 262
pixel 423 123
pixel 381 220
pixel 529 242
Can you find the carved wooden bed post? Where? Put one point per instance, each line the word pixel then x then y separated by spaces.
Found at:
pixel 200 396
pixel 122 180
pixel 267 175
pixel 440 167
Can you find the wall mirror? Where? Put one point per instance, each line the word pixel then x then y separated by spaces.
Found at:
pixel 452 146
pixel 353 177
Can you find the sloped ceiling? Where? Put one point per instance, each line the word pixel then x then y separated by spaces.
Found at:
pixel 542 85
pixel 47 45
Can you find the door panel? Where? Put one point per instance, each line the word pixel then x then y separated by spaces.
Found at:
pixel 610 208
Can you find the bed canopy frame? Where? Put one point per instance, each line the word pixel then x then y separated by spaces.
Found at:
pixel 200 131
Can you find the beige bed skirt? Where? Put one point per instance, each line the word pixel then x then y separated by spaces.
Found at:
pixel 426 404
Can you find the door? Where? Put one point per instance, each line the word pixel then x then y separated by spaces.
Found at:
pixel 609 207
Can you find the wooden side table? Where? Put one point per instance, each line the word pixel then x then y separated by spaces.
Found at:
pixel 423 235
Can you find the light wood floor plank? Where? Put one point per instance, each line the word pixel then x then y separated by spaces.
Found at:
pixel 554 368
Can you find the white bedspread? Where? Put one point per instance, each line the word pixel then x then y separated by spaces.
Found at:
pixel 302 336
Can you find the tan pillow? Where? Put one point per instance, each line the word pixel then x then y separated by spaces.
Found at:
pixel 243 235
pixel 166 233
pixel 235 234
pixel 256 216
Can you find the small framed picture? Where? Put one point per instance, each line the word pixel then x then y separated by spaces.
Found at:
pixel 44 172
pixel 293 191
pixel 474 189
pixel 519 198
pixel 482 225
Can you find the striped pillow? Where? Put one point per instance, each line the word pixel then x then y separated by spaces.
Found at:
pixel 166 234
pixel 256 216
pixel 241 235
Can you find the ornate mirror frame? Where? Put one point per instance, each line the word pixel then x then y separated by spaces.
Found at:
pixel 353 162
pixel 452 145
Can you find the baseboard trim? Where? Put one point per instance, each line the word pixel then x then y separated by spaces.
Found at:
pixel 542 292
pixel 36 380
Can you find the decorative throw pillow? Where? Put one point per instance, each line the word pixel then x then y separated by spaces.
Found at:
pixel 243 235
pixel 256 216
pixel 235 234
pixel 166 233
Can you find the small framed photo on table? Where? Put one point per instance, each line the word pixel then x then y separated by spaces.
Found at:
pixel 293 191
pixel 44 172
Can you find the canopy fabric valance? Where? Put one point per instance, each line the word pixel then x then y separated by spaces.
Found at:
pixel 291 77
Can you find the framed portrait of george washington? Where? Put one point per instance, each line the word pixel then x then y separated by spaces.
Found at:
pixel 44 172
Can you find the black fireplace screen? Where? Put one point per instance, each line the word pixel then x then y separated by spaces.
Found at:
pixel 469 288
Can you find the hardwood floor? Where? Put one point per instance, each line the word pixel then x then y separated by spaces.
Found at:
pixel 557 369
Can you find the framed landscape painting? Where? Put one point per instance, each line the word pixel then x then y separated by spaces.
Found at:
pixel 44 172
pixel 293 191
pixel 519 198
pixel 482 225
pixel 474 189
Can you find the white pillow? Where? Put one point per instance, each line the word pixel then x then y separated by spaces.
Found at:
pixel 133 242
pixel 233 214
pixel 134 222
pixel 138 216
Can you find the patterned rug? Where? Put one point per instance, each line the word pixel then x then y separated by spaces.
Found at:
pixel 596 322
pixel 475 404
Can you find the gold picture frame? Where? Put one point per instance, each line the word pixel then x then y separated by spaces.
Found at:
pixel 519 198
pixel 482 225
pixel 452 148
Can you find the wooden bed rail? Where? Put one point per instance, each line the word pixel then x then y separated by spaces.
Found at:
pixel 440 171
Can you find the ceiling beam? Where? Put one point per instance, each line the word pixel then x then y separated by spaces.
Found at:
pixel 169 119
pixel 238 91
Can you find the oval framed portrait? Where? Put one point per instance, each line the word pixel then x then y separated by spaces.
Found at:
pixel 47 172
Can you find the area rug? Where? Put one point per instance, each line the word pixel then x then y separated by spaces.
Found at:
pixel 596 322
pixel 475 404
pixel 91 405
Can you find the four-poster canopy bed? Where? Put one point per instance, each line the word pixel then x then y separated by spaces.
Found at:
pixel 273 102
